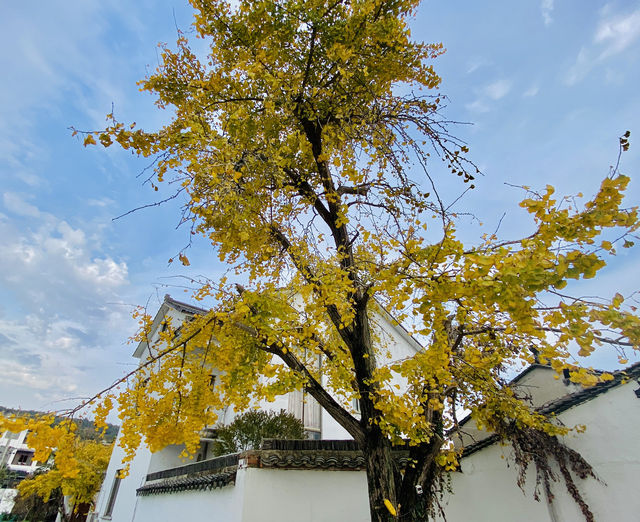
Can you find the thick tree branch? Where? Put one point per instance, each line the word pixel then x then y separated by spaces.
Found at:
pixel 306 191
pixel 315 389
pixel 358 190
pixel 307 69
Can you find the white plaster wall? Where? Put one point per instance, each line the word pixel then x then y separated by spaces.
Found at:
pixel 7 497
pixel 10 444
pixel 542 385
pixel 331 430
pixel 217 505
pixel 126 500
pixel 305 496
pixel 168 457
pixel 539 386
pixel 265 495
pixel 486 489
pixel 611 446
pixel 281 402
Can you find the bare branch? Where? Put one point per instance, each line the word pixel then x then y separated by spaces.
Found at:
pixel 156 204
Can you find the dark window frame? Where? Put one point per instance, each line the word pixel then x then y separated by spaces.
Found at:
pixel 113 494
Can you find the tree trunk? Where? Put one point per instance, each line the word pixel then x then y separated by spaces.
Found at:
pixel 381 476
pixel 61 510
pixel 418 490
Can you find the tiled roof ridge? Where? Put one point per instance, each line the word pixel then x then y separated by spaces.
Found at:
pixel 194 482
pixel 326 454
pixel 309 459
pixel 566 402
pixel 333 455
pixel 184 307
pixel 214 465
pixel 633 368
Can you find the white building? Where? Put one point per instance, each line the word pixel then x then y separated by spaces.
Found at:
pixel 118 499
pixel 18 459
pixel 323 480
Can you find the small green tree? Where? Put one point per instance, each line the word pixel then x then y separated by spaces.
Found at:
pixel 249 429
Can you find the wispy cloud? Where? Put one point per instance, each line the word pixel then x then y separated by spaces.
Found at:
pixel 477 106
pixel 498 89
pixel 546 7
pixel 614 34
pixel 617 33
pixel 102 202
pixel 475 64
pixel 531 91
pixel 488 94
pixel 59 267
pixel 16 204
pixel 59 280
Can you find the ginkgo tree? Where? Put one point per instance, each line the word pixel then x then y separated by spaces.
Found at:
pixel 310 146
pixel 70 465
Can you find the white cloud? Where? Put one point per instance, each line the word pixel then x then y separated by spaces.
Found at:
pixel 52 359
pixel 477 106
pixel 547 9
pixel 17 205
pixel 58 330
pixel 489 93
pixel 583 65
pixel 617 33
pixel 498 89
pixel 614 34
pixel 59 260
pixel 102 202
pixel 476 64
pixel 531 91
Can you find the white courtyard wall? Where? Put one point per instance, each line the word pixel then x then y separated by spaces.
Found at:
pixel 486 488
pixel 218 505
pixel 267 495
pixel 305 495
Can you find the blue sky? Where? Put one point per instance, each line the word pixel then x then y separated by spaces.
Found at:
pixel 548 87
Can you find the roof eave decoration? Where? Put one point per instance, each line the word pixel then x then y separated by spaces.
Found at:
pixel 169 302
pixel 566 402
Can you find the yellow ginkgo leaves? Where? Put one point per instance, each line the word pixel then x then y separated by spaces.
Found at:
pixel 390 508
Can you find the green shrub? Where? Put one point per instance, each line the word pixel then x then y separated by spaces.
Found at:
pixel 249 429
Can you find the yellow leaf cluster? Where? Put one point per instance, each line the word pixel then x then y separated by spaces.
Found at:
pixel 75 466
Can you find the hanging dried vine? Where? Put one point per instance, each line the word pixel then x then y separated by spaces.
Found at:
pixel 531 445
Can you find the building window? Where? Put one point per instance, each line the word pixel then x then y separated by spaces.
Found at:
pixel 113 494
pixel 312 434
pixel 22 458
